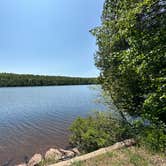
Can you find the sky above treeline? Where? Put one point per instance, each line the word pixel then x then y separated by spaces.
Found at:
pixel 49 37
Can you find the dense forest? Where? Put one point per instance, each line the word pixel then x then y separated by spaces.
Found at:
pixel 13 80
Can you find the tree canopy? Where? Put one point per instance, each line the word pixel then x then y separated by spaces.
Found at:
pixel 132 55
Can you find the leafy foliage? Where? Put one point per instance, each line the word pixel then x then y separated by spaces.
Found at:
pixel 132 55
pixel 152 135
pixel 98 130
pixel 12 80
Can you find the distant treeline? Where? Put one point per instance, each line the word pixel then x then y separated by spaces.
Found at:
pixel 14 80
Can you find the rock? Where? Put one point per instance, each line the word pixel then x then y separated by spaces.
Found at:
pixel 35 160
pixel 23 164
pixel 67 153
pixel 53 154
pixel 76 151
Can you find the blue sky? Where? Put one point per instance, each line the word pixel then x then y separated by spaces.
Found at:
pixel 49 36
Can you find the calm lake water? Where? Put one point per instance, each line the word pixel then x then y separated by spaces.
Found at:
pixel 33 119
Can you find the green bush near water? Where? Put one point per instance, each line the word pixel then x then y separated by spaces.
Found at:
pixel 102 129
pixel 152 135
pixel 98 130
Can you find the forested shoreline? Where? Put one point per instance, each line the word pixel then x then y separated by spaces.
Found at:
pixel 22 80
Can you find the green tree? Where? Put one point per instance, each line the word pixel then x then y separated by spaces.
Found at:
pixel 132 59
pixel 132 55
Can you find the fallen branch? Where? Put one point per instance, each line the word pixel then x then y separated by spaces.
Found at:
pixel 118 145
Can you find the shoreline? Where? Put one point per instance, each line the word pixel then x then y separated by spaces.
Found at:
pixel 49 86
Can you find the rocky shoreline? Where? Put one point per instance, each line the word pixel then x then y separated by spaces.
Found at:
pixel 51 156
pixel 61 157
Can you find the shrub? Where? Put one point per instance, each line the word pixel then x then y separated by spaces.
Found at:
pixel 98 130
pixel 152 135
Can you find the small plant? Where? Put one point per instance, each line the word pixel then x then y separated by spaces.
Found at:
pixel 153 136
pixel 96 131
pixel 110 154
pixel 137 160
pixel 47 162
pixel 77 163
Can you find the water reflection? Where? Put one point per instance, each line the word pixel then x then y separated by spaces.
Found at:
pixel 33 119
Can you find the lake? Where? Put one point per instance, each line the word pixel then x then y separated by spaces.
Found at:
pixel 33 119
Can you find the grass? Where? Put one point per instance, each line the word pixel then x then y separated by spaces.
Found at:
pixel 79 163
pixel 132 156
pixel 47 162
